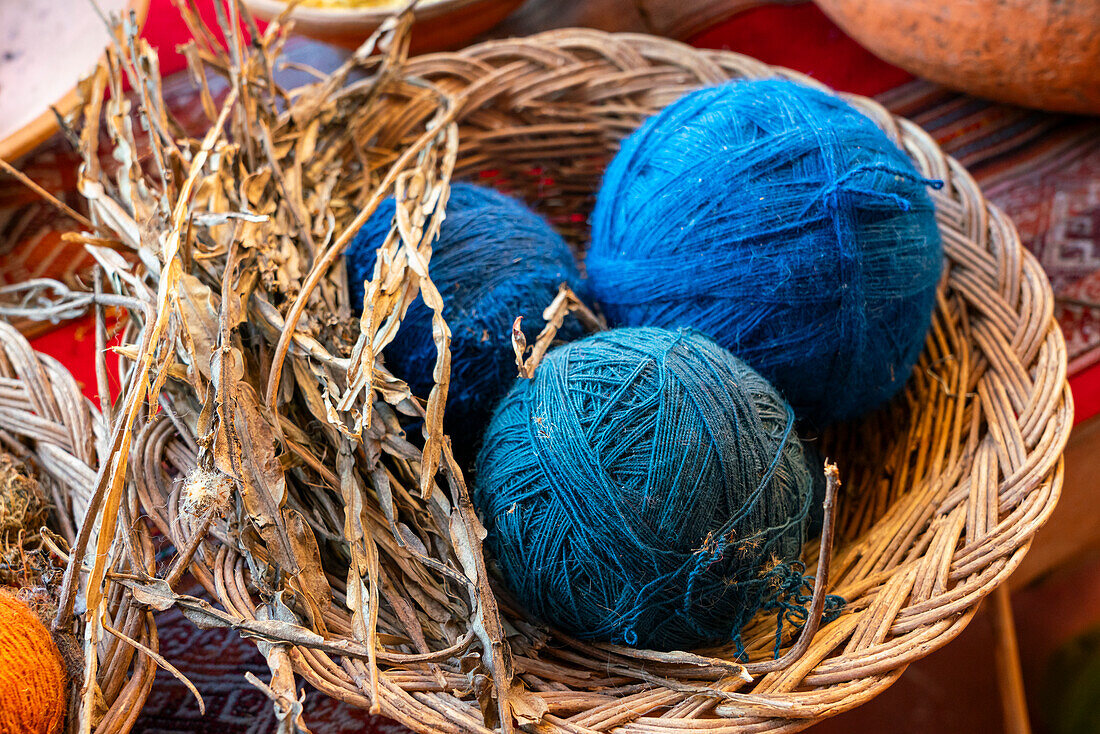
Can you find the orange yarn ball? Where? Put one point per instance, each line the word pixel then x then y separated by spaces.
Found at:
pixel 32 681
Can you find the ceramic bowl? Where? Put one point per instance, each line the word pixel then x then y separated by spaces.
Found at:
pixel 440 24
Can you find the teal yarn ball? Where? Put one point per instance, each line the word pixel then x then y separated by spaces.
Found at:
pixel 495 259
pixel 784 224
pixel 646 487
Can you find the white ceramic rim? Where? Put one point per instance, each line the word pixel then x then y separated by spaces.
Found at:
pixel 373 13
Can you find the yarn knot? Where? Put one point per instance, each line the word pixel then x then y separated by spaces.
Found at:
pixel 790 592
pixel 831 193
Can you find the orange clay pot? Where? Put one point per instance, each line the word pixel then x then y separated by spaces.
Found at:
pixel 1036 53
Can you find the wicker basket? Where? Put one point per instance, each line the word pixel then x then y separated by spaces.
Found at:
pixel 943 491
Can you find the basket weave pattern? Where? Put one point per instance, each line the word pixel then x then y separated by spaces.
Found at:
pixel 943 490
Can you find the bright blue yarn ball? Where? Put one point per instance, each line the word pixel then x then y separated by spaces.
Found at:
pixel 646 487
pixel 494 260
pixel 784 224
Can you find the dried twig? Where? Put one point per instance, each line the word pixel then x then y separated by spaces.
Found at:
pixel 821 582
pixel 46 195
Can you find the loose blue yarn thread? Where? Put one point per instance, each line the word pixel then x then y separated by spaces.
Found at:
pixel 494 260
pixel 646 487
pixel 784 224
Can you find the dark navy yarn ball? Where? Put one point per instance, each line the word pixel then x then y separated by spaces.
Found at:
pixel 784 224
pixel 494 260
pixel 645 487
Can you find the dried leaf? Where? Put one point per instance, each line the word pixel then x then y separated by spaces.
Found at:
pixel 526 706
pixel 198 309
pixel 310 578
pixel 155 594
